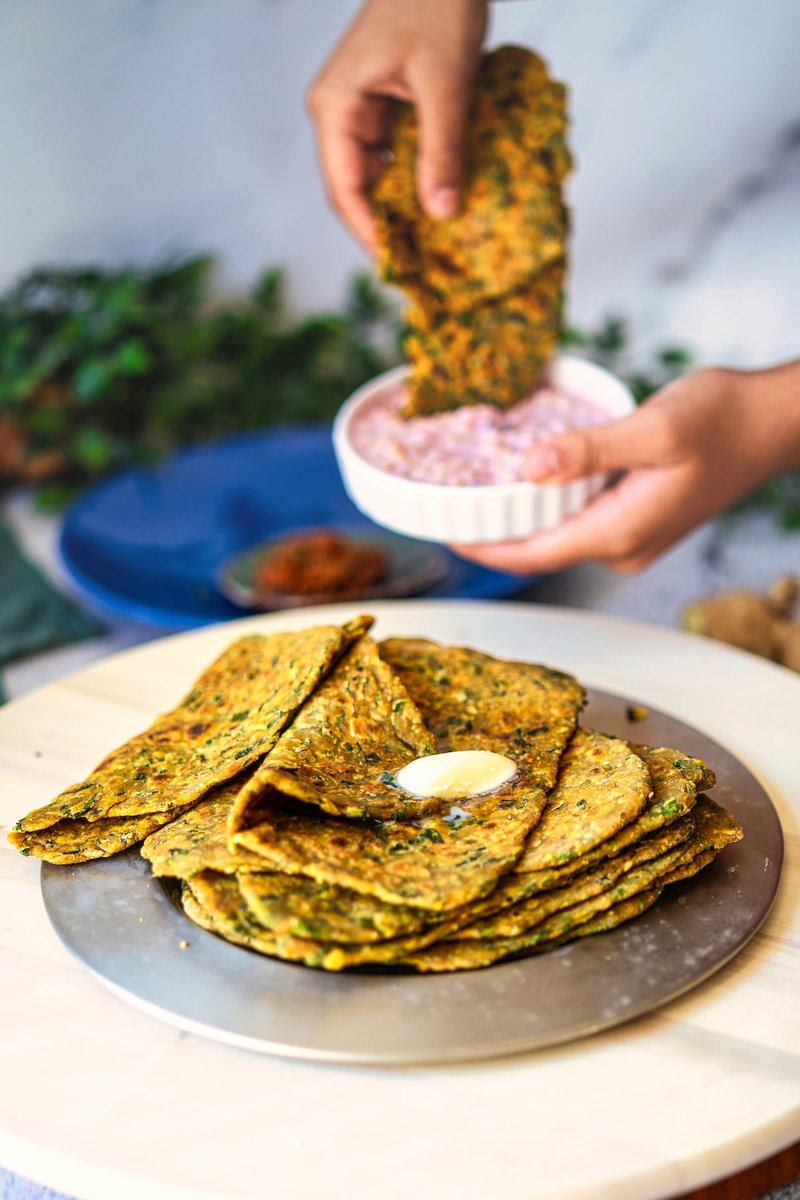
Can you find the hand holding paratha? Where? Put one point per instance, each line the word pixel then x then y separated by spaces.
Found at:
pixel 700 445
pixel 422 51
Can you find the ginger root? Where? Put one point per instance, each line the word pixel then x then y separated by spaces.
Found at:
pixel 762 624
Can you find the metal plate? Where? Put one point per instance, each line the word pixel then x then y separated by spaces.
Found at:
pixel 121 923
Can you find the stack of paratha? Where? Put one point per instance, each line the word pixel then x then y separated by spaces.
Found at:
pixel 486 286
pixel 271 793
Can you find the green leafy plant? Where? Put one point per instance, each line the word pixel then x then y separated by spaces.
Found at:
pixel 102 368
pixel 609 345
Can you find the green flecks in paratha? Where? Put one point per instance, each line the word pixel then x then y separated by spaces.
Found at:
pixel 469 701
pixel 301 907
pixel 532 882
pixel 674 779
pixel 198 839
pixel 231 717
pixel 509 920
pixel 617 914
pixel 715 826
pixel 629 895
pixel 512 223
pixel 602 786
pixel 436 865
pixel 464 956
pixel 78 841
pixel 491 354
pixel 345 745
pixel 486 285
pixel 216 902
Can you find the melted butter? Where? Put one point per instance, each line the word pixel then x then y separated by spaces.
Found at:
pixel 457 774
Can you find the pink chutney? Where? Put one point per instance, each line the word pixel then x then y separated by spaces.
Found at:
pixel 475 444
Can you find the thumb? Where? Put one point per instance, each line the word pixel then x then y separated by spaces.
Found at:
pixel 442 104
pixel 617 446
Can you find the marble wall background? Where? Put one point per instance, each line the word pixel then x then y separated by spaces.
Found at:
pixel 130 129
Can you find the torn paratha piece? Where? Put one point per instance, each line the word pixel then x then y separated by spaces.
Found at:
pixel 345 746
pixel 231 717
pixel 513 222
pixel 487 285
pixel 493 354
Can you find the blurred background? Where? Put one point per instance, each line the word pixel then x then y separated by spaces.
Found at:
pixel 170 271
pixel 131 130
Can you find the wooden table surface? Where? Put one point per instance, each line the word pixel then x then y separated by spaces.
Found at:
pixel 774 1172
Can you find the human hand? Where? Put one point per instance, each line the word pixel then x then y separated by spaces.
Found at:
pixel 422 51
pixel 698 446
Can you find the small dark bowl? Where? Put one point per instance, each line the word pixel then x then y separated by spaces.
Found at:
pixel 413 567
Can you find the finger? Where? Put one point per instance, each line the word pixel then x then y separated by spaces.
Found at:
pixel 635 441
pixel 623 528
pixel 442 102
pixel 349 136
pixel 348 167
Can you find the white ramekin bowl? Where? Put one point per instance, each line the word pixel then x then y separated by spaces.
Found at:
pixel 495 512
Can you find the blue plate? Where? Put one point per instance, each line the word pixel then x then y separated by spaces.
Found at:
pixel 148 544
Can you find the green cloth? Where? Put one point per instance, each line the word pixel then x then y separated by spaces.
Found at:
pixel 33 615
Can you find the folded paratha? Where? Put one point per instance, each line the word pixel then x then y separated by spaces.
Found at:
pixel 231 717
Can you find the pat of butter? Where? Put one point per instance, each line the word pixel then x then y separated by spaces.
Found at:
pixel 456 775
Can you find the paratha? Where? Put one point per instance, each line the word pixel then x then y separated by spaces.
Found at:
pixel 716 828
pixel 491 354
pixel 675 779
pixel 301 907
pixel 197 840
pixel 513 223
pixel 345 745
pixel 306 908
pixel 509 920
pixel 469 701
pixel 215 902
pixel 465 956
pixel 501 258
pixel 230 718
pixel 602 786
pixel 72 841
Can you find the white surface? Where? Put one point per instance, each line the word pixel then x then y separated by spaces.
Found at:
pixel 132 129
pixel 471 514
pixel 106 1101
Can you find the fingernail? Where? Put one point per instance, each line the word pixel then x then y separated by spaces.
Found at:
pixel 542 463
pixel 443 203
